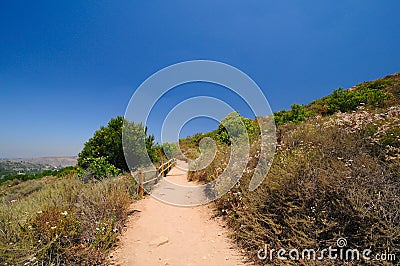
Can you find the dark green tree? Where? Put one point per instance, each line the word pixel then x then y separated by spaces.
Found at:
pixel 107 143
pixel 151 147
pixel 140 149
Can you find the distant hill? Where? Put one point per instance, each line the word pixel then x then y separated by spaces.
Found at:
pixel 54 162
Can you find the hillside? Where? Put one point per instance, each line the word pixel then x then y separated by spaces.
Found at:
pixel 335 175
pixel 33 168
pixel 9 167
pixel 62 221
pixel 58 162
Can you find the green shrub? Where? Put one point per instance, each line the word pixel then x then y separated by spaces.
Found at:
pixel 392 137
pixel 297 114
pixel 373 94
pixel 171 149
pixel 345 100
pixel 97 168
pixel 234 126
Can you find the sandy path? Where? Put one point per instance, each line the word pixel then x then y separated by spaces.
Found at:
pixel 162 234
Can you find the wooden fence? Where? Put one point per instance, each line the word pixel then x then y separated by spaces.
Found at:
pixel 161 171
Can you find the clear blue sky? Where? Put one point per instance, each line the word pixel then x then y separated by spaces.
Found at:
pixel 67 67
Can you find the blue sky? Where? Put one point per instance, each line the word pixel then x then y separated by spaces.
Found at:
pixel 67 67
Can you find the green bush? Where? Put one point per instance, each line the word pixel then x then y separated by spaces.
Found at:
pixel 297 114
pixel 154 151
pixel 171 149
pixel 346 100
pixel 107 143
pixel 234 126
pixel 97 168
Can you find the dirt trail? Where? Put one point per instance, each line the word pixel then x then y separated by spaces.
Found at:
pixel 162 234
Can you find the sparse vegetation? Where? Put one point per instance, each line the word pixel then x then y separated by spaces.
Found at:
pixel 66 221
pixel 380 93
pixel 335 174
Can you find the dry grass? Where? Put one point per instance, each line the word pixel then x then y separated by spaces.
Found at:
pixel 65 221
pixel 331 177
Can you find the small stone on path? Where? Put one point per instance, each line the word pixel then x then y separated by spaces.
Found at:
pixel 159 241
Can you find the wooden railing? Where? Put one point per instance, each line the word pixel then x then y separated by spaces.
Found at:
pixel 162 171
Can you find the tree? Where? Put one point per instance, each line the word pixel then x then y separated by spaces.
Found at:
pixel 151 148
pixel 138 147
pixel 171 149
pixel 107 143
pixel 235 126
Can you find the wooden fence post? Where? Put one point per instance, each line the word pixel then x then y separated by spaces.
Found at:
pixel 141 192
